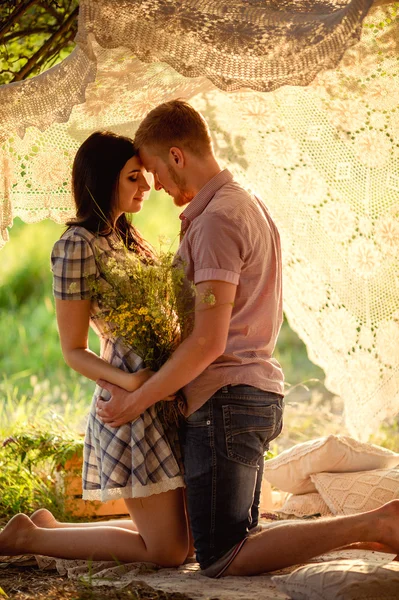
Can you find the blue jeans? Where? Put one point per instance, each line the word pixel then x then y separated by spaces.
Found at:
pixel 223 445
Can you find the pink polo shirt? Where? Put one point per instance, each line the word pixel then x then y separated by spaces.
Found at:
pixel 230 236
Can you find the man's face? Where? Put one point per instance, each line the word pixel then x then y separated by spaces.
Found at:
pixel 166 177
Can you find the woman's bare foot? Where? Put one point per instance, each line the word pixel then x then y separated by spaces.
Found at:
pixel 44 518
pixel 15 537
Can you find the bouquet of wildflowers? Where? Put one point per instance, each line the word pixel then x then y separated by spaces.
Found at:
pixel 146 307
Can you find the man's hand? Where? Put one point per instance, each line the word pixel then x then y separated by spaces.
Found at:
pixel 123 407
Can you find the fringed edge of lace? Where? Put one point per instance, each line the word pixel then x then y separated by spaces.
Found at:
pixel 135 491
pixel 52 82
pixel 347 33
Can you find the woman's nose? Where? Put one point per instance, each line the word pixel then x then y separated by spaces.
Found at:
pixel 145 185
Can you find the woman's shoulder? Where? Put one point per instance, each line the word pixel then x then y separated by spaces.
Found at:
pixel 75 243
pixel 74 254
pixel 79 236
pixel 78 233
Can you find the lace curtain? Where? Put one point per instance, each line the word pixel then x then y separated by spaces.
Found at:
pixel 321 147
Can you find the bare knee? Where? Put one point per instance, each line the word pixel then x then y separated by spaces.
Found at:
pixel 171 557
pixel 169 554
pixel 236 568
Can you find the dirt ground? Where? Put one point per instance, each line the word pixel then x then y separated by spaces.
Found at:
pixel 29 583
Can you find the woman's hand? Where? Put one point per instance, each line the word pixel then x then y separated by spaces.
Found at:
pixel 132 381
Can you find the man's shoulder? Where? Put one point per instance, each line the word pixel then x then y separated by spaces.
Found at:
pixel 232 213
pixel 234 203
pixel 232 189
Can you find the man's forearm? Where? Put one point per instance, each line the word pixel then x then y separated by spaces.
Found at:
pixel 188 361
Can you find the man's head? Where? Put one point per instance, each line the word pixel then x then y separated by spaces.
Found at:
pixel 174 143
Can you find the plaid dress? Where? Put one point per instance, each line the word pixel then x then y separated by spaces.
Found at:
pixel 136 459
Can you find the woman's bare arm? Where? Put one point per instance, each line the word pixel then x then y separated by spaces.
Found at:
pixel 73 318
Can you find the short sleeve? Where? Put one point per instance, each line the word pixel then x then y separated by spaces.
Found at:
pixel 72 263
pixel 217 248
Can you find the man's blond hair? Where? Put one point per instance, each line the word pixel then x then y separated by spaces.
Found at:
pixel 174 123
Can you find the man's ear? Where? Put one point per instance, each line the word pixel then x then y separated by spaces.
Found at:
pixel 176 157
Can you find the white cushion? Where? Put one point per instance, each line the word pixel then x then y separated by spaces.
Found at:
pixel 351 493
pixel 305 505
pixel 342 580
pixel 291 470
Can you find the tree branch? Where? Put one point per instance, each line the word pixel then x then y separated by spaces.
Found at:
pixel 31 64
pixel 15 15
pixel 52 11
pixel 51 57
pixel 22 34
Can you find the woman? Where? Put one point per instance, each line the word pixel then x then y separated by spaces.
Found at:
pixel 135 461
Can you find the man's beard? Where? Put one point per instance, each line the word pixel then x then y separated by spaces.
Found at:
pixel 183 197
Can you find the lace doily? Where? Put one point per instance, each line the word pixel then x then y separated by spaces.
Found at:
pixel 324 157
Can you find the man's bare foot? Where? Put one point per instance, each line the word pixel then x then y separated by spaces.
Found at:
pixel 15 537
pixel 374 546
pixel 44 518
pixel 388 525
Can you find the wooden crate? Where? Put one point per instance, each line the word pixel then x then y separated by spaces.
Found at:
pixel 71 481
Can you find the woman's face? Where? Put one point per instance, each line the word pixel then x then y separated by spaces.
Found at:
pixel 131 187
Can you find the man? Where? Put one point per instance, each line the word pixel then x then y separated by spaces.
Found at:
pixel 234 388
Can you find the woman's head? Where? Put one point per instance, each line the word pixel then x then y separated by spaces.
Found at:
pixel 107 182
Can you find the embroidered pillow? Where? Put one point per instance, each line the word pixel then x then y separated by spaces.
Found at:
pixel 351 493
pixel 305 505
pixel 342 580
pixel 291 470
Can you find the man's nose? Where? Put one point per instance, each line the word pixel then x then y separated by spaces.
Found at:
pixel 157 183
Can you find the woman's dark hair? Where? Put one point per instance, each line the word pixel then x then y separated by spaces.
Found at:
pixel 95 179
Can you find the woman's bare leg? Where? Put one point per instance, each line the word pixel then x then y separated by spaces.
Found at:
pixel 289 544
pixel 160 518
pixel 191 549
pixel 44 518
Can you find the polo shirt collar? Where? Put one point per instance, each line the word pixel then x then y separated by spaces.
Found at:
pixel 205 195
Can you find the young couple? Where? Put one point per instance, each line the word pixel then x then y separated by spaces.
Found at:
pixel 234 388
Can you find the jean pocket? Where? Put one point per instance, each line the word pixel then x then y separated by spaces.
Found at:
pixel 199 418
pixel 249 429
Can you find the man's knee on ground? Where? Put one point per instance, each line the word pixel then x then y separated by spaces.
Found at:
pixel 236 568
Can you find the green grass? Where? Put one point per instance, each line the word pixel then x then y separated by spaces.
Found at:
pixel 25 263
pixel 31 347
pixel 38 430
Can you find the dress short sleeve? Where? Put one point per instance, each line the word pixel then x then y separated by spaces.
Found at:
pixel 72 262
